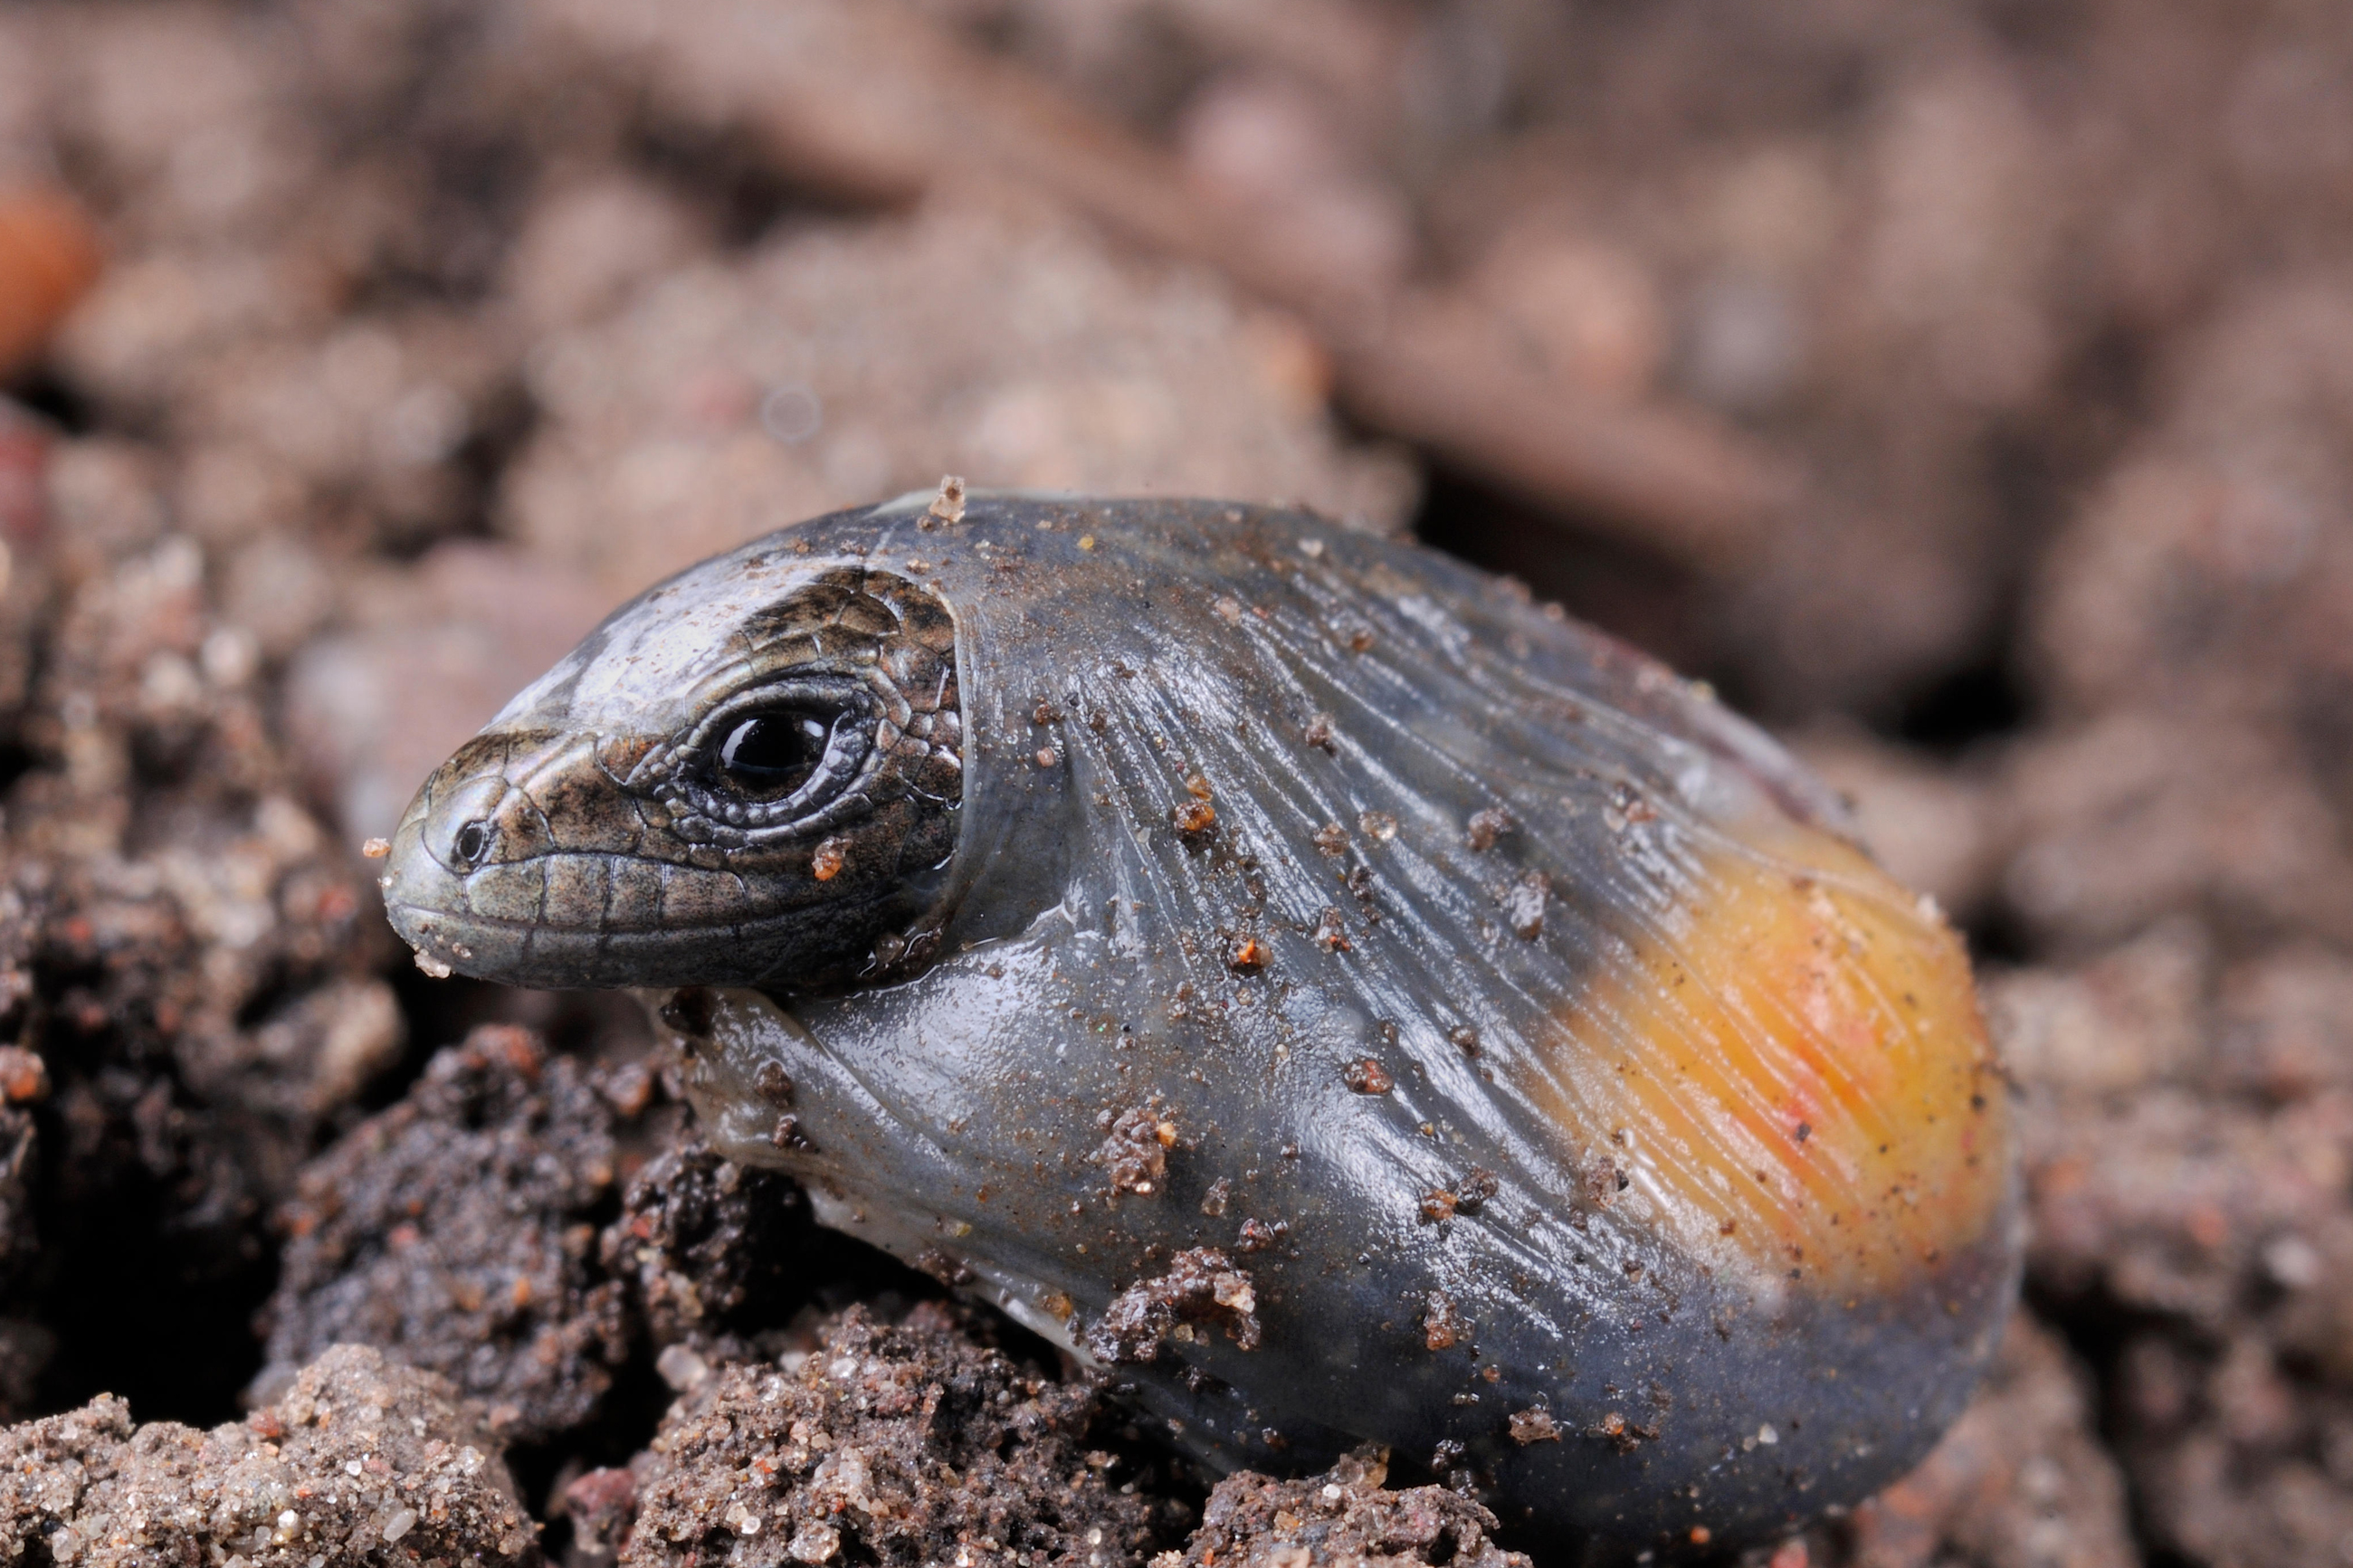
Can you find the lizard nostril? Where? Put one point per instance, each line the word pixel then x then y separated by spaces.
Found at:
pixel 471 842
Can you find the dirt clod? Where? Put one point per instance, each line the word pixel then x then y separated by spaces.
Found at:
pixel 1341 1518
pixel 702 1244
pixel 1442 1325
pixel 457 1230
pixel 1201 1285
pixel 360 1455
pixel 1534 1427
pixel 1486 826
pixel 1134 1153
pixel 899 1445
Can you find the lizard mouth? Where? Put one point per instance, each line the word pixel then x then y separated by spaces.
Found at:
pixel 473 896
pixel 520 951
pixel 517 880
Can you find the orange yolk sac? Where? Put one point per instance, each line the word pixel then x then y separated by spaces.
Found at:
pixel 1792 1074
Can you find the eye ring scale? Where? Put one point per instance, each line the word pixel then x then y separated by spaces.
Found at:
pixel 1338 997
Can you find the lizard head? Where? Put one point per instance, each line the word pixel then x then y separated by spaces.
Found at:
pixel 749 775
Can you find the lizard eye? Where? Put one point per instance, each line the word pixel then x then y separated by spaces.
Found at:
pixel 776 760
pixel 768 756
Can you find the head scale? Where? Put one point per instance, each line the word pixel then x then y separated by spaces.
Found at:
pixel 750 774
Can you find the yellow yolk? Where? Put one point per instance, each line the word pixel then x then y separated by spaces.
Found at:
pixel 1790 1069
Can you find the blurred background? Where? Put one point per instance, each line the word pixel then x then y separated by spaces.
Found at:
pixel 1964 388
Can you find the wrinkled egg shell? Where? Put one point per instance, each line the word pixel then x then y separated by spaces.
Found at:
pixel 1359 1005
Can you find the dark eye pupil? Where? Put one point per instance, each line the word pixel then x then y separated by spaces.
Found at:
pixel 775 753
